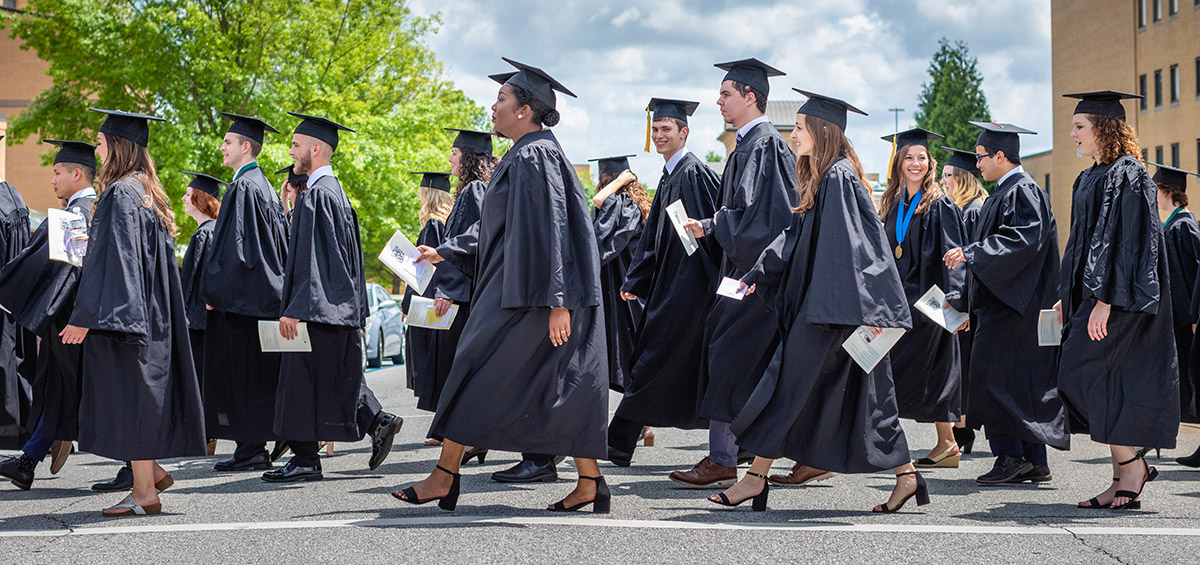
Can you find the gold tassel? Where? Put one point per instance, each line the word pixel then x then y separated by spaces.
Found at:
pixel 648 120
pixel 892 158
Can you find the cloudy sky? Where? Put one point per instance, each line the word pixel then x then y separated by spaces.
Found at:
pixel 617 54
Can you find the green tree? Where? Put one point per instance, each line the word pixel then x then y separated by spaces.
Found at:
pixel 362 63
pixel 713 157
pixel 952 97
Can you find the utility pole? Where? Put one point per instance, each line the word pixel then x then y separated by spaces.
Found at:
pixel 896 111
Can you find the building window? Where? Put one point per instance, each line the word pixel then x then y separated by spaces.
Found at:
pixel 1146 155
pixel 1158 88
pixel 1198 71
pixel 1174 84
pixel 1158 154
pixel 1172 7
pixel 1046 185
pixel 1146 95
pixel 1175 155
pixel 1157 11
pixel 10 4
pixel 1141 10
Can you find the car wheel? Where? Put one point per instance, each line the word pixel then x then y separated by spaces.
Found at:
pixel 398 358
pixel 377 361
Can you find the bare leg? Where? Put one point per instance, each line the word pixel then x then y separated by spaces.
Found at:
pixel 144 492
pixel 749 486
pixel 438 483
pixel 945 441
pixel 1106 498
pixel 1132 474
pixel 585 490
pixel 905 485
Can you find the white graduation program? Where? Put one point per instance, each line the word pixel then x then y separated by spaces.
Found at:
pixel 678 216
pixel 272 342
pixel 423 314
pixel 933 304
pixel 400 255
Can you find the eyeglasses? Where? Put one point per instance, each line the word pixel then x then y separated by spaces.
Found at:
pixel 979 158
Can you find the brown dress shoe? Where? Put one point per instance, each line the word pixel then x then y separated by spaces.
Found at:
pixel 706 474
pixel 801 475
pixel 59 451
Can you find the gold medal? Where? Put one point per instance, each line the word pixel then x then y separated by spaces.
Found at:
pixel 899 252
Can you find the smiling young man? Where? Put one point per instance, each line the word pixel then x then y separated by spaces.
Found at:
pixel 677 288
pixel 1014 265
pixel 758 191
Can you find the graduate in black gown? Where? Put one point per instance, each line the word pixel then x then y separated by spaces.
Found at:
pixel 960 181
pixel 242 284
pixel 140 399
pixel 40 293
pixel 619 210
pixel 530 373
pixel 677 289
pixel 322 394
pixel 757 195
pixel 18 347
pixel 423 354
pixel 1013 263
pixel 201 201
pixel 1118 374
pixel 828 275
pixel 922 224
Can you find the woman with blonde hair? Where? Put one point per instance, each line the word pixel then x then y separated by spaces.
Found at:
pixel 140 399
pixel 1118 372
pixel 922 224
pixel 422 351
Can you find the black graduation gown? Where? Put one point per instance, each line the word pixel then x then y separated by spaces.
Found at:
pixel 140 397
pixel 41 294
pixel 758 191
pixel 191 273
pixel 423 354
pixel 533 249
pixel 243 282
pixel 324 285
pixel 18 346
pixel 1013 268
pixel 828 274
pixel 970 219
pixel 1124 389
pixel 925 362
pixel 678 290
pixel 1182 238
pixel 618 226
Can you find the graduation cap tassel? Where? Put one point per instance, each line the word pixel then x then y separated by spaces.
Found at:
pixel 892 158
pixel 648 120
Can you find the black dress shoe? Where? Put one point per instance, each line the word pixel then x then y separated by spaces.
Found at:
pixel 1006 470
pixel 280 448
pixel 382 434
pixel 527 471
pixel 291 473
pixel 19 470
pixel 260 462
pixel 619 458
pixel 1192 460
pixel 124 481
pixel 1035 474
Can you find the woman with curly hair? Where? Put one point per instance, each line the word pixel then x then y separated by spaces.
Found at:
pixel 620 212
pixel 922 224
pixel 1118 374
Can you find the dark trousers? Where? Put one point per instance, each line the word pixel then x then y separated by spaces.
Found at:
pixel 368 408
pixel 623 435
pixel 539 458
pixel 247 450
pixel 305 453
pixel 38 445
pixel 1013 447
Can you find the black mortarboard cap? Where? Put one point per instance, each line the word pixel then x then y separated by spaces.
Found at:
pixel 439 181
pixel 668 108
pixel 294 178
pixel 1172 176
pixel 963 160
pixel 750 72
pixel 915 136
pixel 127 125
pixel 829 109
pixel 471 139
pixel 211 185
pixel 323 129
pixel 74 152
pixel 533 80
pixel 613 165
pixel 1103 102
pixel 1000 137
pixel 253 128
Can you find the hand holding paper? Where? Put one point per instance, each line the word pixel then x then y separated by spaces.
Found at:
pixel 679 219
pixel 732 288
pixel 933 304
pixel 404 259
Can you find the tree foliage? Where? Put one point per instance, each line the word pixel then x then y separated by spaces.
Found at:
pixel 362 63
pixel 952 97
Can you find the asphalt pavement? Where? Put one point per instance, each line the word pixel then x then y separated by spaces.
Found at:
pixel 351 518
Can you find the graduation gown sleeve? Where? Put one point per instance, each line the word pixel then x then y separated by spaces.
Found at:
pixel 111 293
pixel 454 283
pixel 321 284
pixel 244 270
pixel 1125 275
pixel 761 204
pixel 617 224
pixel 192 276
pixel 1001 260
pixel 1182 238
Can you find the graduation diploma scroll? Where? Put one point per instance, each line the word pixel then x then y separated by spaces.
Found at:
pixel 1049 328
pixel 400 256
pixel 678 216
pixel 67 236
pixel 869 349
pixel 934 305
pixel 423 314
pixel 272 342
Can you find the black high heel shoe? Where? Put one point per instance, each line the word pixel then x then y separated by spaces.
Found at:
pixel 601 503
pixel 964 437
pixel 922 494
pixel 1094 502
pixel 474 452
pixel 1134 503
pixel 759 503
pixel 447 502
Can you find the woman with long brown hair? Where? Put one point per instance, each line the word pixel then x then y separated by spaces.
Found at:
pixel 140 400
pixel 1118 373
pixel 922 224
pixel 620 210
pixel 815 404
